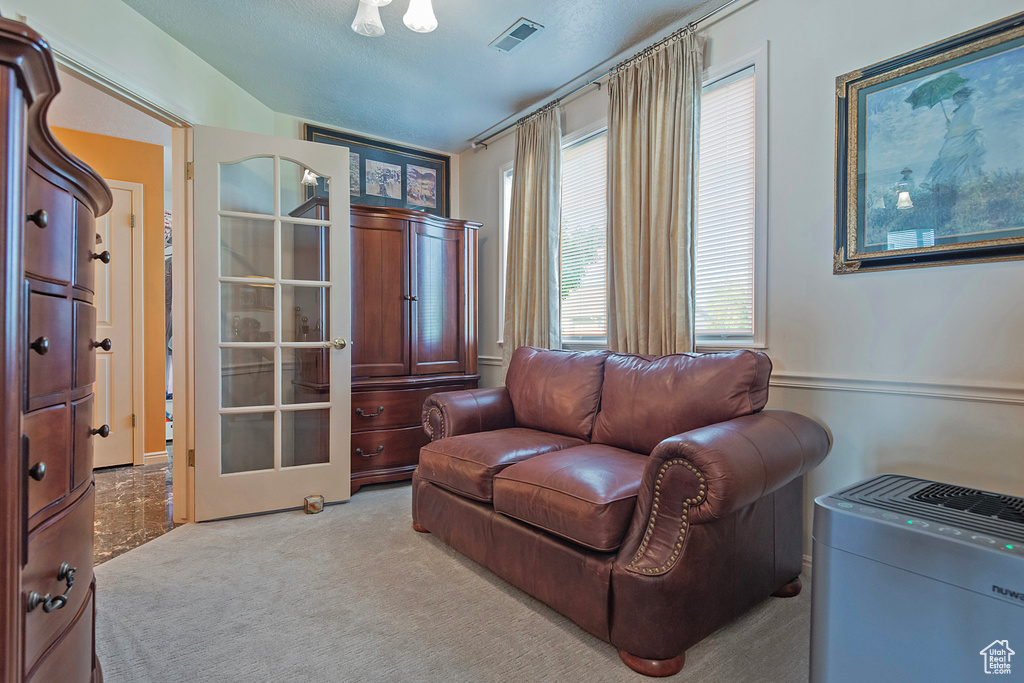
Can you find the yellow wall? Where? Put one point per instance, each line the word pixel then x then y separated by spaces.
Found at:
pixel 138 162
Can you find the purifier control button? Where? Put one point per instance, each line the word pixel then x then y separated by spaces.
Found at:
pixel 983 539
pixel 914 522
pixel 844 505
pixel 867 510
pixel 952 532
pixel 889 515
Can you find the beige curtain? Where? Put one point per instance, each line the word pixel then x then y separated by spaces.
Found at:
pixel 653 127
pixel 531 278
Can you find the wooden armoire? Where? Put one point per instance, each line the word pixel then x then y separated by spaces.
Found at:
pixel 48 258
pixel 414 308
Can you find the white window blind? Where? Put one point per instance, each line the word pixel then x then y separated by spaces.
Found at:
pixel 724 270
pixel 584 242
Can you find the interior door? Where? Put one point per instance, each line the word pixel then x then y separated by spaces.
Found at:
pixel 272 320
pixel 114 382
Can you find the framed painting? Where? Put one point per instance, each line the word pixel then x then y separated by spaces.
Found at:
pixel 930 155
pixel 385 174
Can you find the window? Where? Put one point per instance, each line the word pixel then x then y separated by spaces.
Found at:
pixel 583 258
pixel 506 215
pixel 729 268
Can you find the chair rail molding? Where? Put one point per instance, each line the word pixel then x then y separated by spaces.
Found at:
pixel 957 391
pixel 490 360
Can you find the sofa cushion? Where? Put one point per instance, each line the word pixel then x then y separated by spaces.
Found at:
pixel 465 464
pixel 585 494
pixel 647 399
pixel 556 391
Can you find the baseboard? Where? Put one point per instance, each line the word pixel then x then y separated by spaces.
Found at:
pixel 807 566
pixel 154 458
pixel 959 391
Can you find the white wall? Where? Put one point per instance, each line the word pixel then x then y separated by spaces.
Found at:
pixel 118 43
pixel 916 371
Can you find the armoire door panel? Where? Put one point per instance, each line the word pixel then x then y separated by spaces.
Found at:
pixel 380 310
pixel 437 318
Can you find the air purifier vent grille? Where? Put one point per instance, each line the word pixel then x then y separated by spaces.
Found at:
pixel 969 500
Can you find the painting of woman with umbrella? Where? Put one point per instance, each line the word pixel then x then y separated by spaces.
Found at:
pixel 954 122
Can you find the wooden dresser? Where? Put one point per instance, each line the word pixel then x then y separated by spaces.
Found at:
pixel 414 308
pixel 47 274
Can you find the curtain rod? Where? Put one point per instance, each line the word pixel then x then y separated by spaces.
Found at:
pixel 480 141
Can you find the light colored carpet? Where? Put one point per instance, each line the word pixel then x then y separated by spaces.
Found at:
pixel 354 594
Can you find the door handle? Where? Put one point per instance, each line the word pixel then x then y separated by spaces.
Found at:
pixel 337 343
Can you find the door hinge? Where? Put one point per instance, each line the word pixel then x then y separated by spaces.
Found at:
pixel 133 420
pixel 133 220
pixel 190 170
pixel 191 457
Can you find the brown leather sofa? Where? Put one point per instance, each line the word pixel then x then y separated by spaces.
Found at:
pixel 648 499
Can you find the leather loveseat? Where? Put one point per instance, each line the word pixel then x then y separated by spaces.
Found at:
pixel 649 499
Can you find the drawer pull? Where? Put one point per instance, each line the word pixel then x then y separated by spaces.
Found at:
pixel 359 411
pixel 103 256
pixel 38 471
pixel 359 451
pixel 41 346
pixel 103 431
pixel 66 573
pixel 40 218
pixel 105 344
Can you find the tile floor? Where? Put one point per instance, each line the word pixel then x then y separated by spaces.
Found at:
pixel 133 506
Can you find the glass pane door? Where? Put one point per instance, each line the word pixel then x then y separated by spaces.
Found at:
pixel 272 297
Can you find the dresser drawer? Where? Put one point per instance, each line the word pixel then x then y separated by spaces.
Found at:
pixel 49 340
pixel 49 445
pixel 85 352
pixel 48 250
pixel 401 447
pixel 85 247
pixel 71 659
pixel 65 538
pixel 82 425
pixel 401 408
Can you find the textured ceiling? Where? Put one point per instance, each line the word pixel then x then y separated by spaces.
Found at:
pixel 434 90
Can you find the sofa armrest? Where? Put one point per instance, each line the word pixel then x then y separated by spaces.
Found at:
pixel 709 473
pixel 465 412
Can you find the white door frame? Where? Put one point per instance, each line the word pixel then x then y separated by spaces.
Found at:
pixel 138 321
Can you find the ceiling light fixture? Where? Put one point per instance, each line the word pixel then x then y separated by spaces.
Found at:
pixel 419 17
pixel 367 21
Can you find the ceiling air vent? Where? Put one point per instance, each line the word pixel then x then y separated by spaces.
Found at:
pixel 516 35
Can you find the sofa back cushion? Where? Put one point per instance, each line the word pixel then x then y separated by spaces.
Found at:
pixel 647 399
pixel 556 391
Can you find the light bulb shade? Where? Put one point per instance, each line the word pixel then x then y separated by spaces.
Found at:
pixel 377 3
pixel 308 178
pixel 904 202
pixel 420 17
pixel 367 21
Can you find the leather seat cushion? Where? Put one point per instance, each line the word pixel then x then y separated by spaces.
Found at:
pixel 585 494
pixel 646 399
pixel 466 464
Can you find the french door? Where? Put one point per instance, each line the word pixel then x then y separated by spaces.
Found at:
pixel 272 324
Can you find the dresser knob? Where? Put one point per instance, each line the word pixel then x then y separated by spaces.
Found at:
pixel 105 344
pixel 38 471
pixel 104 256
pixel 103 431
pixel 40 218
pixel 41 346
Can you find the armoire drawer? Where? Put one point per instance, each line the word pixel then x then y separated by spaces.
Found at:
pixel 49 345
pixel 85 351
pixel 71 659
pixel 85 247
pixel 82 425
pixel 48 250
pixel 65 538
pixel 401 408
pixel 49 456
pixel 397 447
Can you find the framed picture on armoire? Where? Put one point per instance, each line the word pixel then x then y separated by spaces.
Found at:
pixel 387 174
